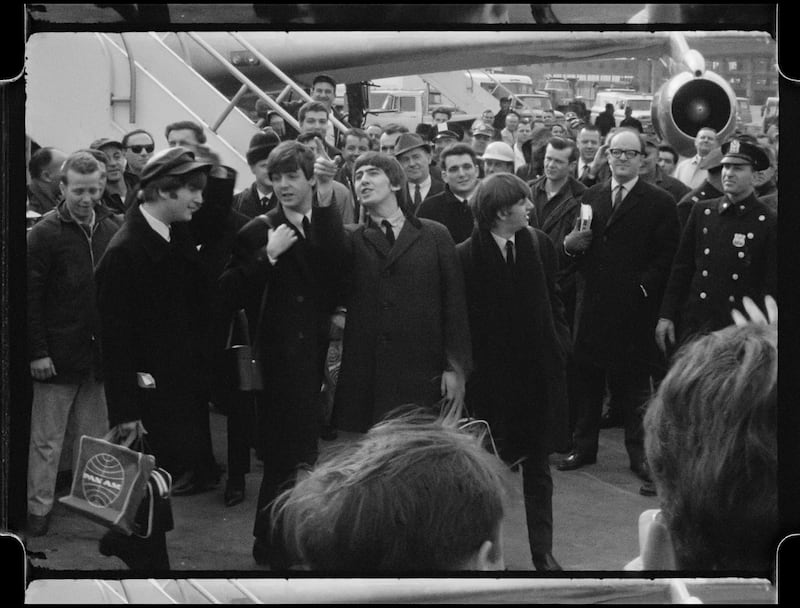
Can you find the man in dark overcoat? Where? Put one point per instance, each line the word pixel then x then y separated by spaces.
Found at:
pixel 152 304
pixel 297 252
pixel 452 206
pixel 728 250
pixel 623 261
pixel 519 343
pixel 406 338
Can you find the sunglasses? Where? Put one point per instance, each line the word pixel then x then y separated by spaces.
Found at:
pixel 138 149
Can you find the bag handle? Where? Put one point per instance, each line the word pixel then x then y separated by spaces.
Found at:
pixel 113 436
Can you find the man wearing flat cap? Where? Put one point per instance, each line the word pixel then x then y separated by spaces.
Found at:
pixel 727 251
pixel 120 186
pixel 414 155
pixel 444 134
pixel 150 294
pixel 259 197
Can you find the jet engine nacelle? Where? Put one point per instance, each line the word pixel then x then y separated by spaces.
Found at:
pixel 686 103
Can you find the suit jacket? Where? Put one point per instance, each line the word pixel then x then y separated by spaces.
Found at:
pixel 437 187
pixel 727 251
pixel 520 341
pixel 630 254
pixel 446 209
pixel 406 322
pixel 248 202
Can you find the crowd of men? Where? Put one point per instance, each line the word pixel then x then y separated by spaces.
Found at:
pixel 453 265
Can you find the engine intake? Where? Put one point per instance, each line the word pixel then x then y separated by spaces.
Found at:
pixel 686 103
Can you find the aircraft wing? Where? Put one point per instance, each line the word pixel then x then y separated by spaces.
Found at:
pixel 359 56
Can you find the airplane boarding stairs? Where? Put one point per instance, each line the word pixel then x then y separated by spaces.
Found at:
pixel 81 87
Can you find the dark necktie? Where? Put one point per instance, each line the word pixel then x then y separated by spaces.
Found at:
pixel 509 254
pixel 306 227
pixel 417 197
pixel 584 171
pixel 264 202
pixel 389 232
pixel 618 197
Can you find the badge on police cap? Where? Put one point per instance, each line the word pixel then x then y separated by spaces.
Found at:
pixel 738 240
pixel 734 147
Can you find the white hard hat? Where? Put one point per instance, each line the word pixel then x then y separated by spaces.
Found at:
pixel 499 150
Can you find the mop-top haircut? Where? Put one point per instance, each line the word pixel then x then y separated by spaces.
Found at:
pixel 415 494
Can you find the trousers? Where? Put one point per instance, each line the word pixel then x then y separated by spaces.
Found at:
pixel 52 405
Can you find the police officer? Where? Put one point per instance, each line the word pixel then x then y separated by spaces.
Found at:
pixel 727 251
pixel 710 188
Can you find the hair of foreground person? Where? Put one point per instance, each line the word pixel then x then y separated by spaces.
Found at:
pixel 416 493
pixel 711 442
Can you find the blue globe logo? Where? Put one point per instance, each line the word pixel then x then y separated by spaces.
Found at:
pixel 103 478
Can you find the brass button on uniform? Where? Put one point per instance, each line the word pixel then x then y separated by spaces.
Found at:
pixel 707 251
pixel 735 276
pixel 705 273
pixel 703 295
pixel 741 254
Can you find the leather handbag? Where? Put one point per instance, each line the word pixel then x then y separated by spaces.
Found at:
pixel 110 482
pixel 242 362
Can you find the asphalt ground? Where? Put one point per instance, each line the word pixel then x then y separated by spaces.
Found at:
pixel 595 513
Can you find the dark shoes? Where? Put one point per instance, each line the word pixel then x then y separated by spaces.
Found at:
pixel 575 461
pixel 642 470
pixel 137 553
pixel 648 489
pixel 192 482
pixel 38 524
pixel 545 562
pixel 610 420
pixel 234 491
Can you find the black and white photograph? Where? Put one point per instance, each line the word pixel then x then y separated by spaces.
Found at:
pixel 315 303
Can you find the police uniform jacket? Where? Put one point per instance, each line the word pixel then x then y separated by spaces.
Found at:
pixel 727 251
pixel 451 211
pixel 703 192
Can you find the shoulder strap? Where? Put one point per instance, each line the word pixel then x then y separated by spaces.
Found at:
pixel 263 217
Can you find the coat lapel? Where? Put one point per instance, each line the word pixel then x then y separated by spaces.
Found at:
pixel 409 233
pixel 627 204
pixel 377 239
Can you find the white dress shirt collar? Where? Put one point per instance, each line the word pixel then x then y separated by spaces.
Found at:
pixel 156 224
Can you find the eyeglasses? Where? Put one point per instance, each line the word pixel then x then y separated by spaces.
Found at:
pixel 617 153
pixel 138 149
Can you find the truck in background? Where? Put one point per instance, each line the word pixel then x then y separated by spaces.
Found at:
pixel 408 100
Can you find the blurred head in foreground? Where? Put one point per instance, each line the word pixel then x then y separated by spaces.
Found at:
pixel 415 494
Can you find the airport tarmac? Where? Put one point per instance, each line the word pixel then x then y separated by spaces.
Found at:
pixel 595 513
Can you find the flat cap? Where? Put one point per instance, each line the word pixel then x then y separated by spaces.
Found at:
pixel 409 141
pixel 738 152
pixel 98 144
pixel 172 161
pixel 499 150
pixel 446 129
